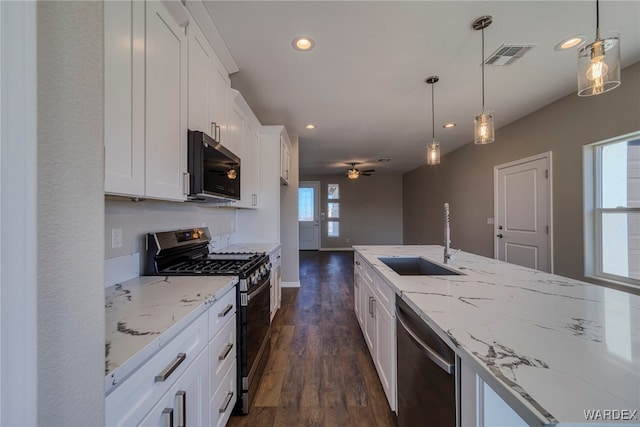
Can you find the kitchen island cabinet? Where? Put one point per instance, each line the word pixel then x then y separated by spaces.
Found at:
pixel 537 348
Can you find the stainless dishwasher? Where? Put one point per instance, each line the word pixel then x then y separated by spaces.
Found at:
pixel 426 373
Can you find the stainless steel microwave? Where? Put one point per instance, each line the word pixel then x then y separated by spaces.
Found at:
pixel 214 171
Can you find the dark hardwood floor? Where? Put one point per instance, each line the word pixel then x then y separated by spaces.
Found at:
pixel 320 372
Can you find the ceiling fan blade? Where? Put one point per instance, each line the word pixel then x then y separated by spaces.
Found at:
pixel 369 171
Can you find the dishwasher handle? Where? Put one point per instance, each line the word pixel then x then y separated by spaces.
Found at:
pixel 442 363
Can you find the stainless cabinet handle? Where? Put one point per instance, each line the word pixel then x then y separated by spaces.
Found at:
pixel 213 130
pixel 224 407
pixel 217 138
pixel 167 414
pixel 370 313
pixel 373 310
pixel 186 183
pixel 226 351
pixel 182 408
pixel 172 367
pixel 226 310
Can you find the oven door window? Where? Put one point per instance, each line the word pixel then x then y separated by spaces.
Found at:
pixel 258 321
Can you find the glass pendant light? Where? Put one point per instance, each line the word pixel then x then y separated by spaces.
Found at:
pixel 433 149
pixel 599 63
pixel 483 129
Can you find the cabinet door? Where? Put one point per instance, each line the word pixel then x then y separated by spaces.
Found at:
pixel 166 104
pixel 369 316
pixel 221 99
pixel 123 98
pixel 285 160
pixel 385 354
pixel 358 284
pixel 235 133
pixel 186 402
pixel 201 68
pixel 250 168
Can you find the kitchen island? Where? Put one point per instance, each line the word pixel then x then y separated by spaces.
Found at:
pixel 551 347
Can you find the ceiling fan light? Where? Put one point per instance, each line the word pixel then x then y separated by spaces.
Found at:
pixel 483 129
pixel 433 154
pixel 599 66
pixel 353 173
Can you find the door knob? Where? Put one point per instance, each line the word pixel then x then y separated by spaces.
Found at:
pixel 499 227
pixel 499 235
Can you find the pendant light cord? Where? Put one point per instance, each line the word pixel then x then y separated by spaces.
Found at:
pixel 597 20
pixel 483 70
pixel 433 113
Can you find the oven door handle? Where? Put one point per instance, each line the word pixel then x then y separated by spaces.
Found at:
pixel 257 291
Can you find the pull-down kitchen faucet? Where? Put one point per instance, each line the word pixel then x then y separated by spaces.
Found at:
pixel 448 255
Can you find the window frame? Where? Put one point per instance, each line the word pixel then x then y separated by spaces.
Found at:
pixel 592 174
pixel 333 219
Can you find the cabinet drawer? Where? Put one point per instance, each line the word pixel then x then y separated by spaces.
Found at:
pixel 222 354
pixel 384 293
pixel 358 264
pixel 221 311
pixel 133 399
pixel 224 399
pixel 367 272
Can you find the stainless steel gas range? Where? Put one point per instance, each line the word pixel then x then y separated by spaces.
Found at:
pixel 186 253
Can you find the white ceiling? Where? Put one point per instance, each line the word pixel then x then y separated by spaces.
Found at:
pixel 363 85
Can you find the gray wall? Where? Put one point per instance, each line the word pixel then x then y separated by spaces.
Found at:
pixel 70 202
pixel 465 176
pixel 370 209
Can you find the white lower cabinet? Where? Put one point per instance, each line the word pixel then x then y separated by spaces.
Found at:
pixel 221 405
pixel 184 404
pixel 193 371
pixel 275 258
pixel 374 305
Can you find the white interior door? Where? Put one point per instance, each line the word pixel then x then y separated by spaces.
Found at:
pixel 523 212
pixel 308 214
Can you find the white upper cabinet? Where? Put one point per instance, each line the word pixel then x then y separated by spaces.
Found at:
pixel 244 130
pixel 146 99
pixel 221 101
pixel 166 104
pixel 285 160
pixel 124 101
pixel 201 68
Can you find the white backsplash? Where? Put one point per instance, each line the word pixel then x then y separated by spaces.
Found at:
pixel 120 269
pixel 136 219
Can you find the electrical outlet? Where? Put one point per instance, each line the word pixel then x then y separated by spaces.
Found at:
pixel 489 220
pixel 116 238
pixel 347 240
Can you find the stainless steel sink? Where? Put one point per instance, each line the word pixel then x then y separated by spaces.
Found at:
pixel 416 266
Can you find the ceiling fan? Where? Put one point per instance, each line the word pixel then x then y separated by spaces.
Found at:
pixel 354 173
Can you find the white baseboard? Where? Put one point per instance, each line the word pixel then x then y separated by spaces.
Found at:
pixel 289 284
pixel 336 249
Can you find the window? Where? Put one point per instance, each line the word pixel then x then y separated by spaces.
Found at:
pixel 305 204
pixel 612 207
pixel 333 210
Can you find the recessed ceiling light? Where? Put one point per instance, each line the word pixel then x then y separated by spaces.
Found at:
pixel 303 43
pixel 449 125
pixel 310 126
pixel 570 42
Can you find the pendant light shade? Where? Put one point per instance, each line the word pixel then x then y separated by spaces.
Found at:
pixel 483 130
pixel 433 149
pixel 599 63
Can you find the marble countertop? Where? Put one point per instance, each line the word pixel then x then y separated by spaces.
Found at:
pixel 558 346
pixel 145 313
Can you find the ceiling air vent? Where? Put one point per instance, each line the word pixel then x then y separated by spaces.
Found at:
pixel 507 54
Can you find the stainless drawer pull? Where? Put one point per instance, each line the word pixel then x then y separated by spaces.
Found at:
pixel 224 407
pixel 226 351
pixel 226 310
pixel 172 367
pixel 167 414
pixel 182 408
